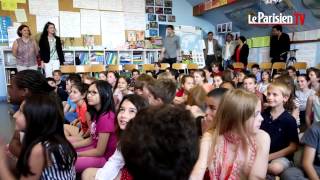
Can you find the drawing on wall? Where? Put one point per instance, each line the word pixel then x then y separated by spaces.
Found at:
pixel 159 10
pixel 150 10
pixel 149 2
pixel 167 3
pixel 171 18
pixel 153 32
pixel 152 17
pixel 153 25
pixel 167 10
pixel 162 18
pixel 159 2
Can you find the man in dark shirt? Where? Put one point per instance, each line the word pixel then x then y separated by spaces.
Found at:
pixel 279 44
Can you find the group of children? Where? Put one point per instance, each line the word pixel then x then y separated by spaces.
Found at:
pixel 209 124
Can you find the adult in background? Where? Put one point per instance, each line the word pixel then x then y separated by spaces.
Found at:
pixel 228 50
pixel 171 47
pixel 279 44
pixel 241 52
pixel 50 49
pixel 211 50
pixel 25 49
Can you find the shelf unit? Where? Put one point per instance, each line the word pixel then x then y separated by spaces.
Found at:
pixel 97 56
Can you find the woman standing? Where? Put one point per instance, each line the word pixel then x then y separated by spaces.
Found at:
pixel 241 52
pixel 25 49
pixel 50 49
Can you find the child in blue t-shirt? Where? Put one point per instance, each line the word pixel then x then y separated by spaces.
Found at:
pixel 282 128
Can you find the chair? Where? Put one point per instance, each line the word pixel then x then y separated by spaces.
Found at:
pixel 164 66
pixel 266 65
pixel 65 69
pixel 300 65
pixel 97 68
pixel 249 65
pixel 179 66
pixel 192 67
pixel 130 67
pixel 277 66
pixel 83 69
pixel 238 65
pixel 148 67
pixel 114 67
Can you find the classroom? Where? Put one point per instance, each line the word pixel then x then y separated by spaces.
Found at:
pixel 160 89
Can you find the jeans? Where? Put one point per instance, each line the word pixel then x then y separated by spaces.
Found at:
pixel 226 63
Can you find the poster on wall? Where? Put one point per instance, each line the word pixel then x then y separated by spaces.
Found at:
pixel 162 18
pixel 150 10
pixel 167 10
pixel 159 2
pixel 171 18
pixel 149 2
pixel 159 10
pixel 167 3
pixel 152 17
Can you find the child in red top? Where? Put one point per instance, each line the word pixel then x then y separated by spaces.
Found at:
pixel 187 83
pixel 77 95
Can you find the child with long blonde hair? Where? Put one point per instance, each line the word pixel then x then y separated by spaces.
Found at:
pixel 235 147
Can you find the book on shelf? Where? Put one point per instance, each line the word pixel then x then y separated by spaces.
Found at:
pixel 97 58
pixel 111 57
pixel 68 58
pixel 84 57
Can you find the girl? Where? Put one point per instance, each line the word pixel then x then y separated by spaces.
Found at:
pixel 45 153
pixel 187 83
pixel 217 81
pixel 215 68
pixel 121 90
pixel 112 79
pixel 235 147
pixel 314 78
pixel 78 95
pixel 50 49
pixel 262 86
pixel 302 94
pixel 102 76
pixel 25 49
pixel 101 144
pixel 313 109
pixel 129 107
pixel 200 79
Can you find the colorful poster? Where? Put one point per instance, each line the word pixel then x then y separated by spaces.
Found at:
pixel 5 22
pixel 9 5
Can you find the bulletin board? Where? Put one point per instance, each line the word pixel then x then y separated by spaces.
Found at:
pixel 64 5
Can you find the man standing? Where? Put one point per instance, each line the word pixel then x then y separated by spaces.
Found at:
pixel 171 47
pixel 228 50
pixel 211 50
pixel 279 44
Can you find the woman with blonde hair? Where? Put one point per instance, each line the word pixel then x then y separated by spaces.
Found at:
pixel 235 147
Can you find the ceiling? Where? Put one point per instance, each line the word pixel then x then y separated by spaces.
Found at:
pixel 236 13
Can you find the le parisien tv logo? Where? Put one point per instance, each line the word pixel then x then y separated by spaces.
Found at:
pixel 297 18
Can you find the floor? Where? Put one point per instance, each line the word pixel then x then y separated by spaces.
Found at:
pixel 6 123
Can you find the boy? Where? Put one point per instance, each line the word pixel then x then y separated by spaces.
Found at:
pixel 256 71
pixel 281 127
pixel 310 158
pixel 69 107
pixel 159 92
pixel 61 85
pixel 52 83
pixel 166 147
pixel 250 84
pixel 142 80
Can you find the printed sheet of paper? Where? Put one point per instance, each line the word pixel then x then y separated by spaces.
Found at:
pixel 21 15
pixel 42 20
pixel 111 5
pixel 9 5
pixel 113 29
pixel 69 24
pixel 49 8
pixel 86 4
pixel 134 21
pixel 22 1
pixel 306 53
pixel 90 22
pixel 12 34
pixel 134 6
